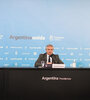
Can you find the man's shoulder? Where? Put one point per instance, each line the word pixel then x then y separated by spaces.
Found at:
pixel 55 55
pixel 42 54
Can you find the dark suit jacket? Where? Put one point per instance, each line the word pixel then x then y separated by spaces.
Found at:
pixel 43 57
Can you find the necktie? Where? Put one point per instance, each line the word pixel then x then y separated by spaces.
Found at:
pixel 49 59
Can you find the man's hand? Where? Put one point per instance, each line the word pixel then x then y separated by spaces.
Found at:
pixel 49 63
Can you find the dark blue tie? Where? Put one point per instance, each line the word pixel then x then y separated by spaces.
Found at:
pixel 49 59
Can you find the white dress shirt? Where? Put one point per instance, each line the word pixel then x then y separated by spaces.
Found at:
pixel 48 58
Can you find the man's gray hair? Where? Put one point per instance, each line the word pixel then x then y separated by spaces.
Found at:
pixel 49 45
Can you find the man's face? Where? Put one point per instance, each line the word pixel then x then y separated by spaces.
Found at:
pixel 49 50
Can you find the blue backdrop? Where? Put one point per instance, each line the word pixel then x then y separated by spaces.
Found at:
pixel 27 26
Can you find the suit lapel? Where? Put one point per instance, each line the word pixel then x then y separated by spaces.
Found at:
pixel 45 57
pixel 53 59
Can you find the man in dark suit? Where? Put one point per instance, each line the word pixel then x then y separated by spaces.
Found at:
pixel 48 57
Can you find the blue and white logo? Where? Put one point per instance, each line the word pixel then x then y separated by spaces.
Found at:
pixel 1 36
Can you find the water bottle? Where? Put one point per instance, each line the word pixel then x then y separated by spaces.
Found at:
pixel 42 63
pixel 74 64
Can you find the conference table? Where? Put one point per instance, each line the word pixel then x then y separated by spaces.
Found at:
pixel 44 83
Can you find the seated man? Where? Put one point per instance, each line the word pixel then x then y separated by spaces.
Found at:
pixel 48 57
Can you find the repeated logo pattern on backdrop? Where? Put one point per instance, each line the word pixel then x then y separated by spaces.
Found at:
pixel 20 55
